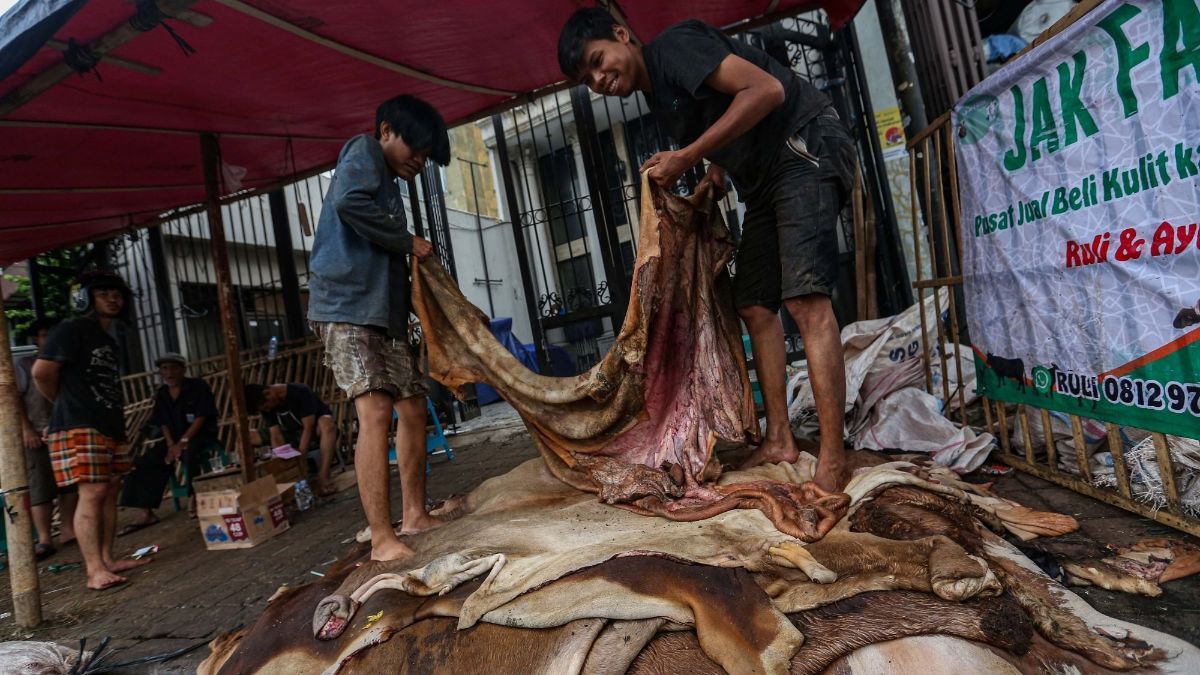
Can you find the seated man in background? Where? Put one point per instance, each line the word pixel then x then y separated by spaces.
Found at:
pixel 186 411
pixel 294 413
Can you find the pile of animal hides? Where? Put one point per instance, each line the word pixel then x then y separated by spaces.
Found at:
pixel 626 548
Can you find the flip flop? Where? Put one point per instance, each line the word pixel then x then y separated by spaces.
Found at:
pixel 134 527
pixel 43 551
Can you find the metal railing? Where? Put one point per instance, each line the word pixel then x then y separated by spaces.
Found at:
pixel 935 230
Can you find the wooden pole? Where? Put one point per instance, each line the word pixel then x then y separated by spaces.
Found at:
pixel 211 152
pixel 23 577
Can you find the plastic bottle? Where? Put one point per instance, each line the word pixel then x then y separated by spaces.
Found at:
pixel 273 348
pixel 304 496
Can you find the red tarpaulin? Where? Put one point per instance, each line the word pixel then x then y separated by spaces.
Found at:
pixel 283 84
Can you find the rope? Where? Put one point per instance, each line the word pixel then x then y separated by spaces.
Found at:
pixel 149 16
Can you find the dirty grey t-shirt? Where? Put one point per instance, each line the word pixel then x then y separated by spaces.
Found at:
pixel 37 407
pixel 679 60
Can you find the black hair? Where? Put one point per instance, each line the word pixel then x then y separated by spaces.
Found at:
pixel 418 123
pixel 255 394
pixel 101 279
pixel 585 25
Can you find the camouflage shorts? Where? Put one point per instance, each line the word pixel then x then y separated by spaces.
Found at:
pixel 364 358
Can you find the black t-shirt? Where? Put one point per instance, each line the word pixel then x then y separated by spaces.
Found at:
pixel 89 383
pixel 177 414
pixel 678 61
pixel 298 403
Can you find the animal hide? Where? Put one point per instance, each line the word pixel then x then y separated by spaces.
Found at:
pixel 639 427
pixel 557 590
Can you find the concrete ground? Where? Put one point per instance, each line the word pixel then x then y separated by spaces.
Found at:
pixel 189 595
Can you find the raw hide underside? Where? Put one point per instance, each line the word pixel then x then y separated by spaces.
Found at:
pixel 639 427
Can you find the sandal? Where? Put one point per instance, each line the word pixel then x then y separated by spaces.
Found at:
pixel 134 527
pixel 43 551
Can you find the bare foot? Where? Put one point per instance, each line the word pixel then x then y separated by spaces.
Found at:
pixel 772 452
pixel 420 524
pixel 104 580
pixel 125 565
pixel 831 472
pixel 392 549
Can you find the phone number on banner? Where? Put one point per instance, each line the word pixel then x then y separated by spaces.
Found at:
pixel 1177 397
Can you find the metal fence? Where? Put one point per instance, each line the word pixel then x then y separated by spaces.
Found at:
pixel 1052 445
pixel 568 163
pixel 570 167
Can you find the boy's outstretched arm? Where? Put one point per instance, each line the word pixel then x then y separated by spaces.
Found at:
pixel 359 179
pixel 755 94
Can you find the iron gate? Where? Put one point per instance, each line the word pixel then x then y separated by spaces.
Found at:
pixel 569 165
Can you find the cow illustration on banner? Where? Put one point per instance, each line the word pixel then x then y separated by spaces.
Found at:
pixel 1079 174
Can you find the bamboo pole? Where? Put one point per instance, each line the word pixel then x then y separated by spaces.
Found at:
pixel 23 577
pixel 211 153
pixel 1022 414
pixel 1117 450
pixel 1051 448
pixel 1166 471
pixel 1081 456
pixel 1003 419
pixel 912 173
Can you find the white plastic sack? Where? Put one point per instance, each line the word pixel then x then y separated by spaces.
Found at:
pixel 873 345
pixel 912 420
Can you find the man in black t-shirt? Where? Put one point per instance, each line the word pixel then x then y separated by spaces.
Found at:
pixel 78 370
pixel 792 162
pixel 294 413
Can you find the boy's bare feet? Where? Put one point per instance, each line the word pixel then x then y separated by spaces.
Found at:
pixel 831 472
pixel 420 524
pixel 773 451
pixel 390 549
pixel 104 580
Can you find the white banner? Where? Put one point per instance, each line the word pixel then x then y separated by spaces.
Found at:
pixel 1078 168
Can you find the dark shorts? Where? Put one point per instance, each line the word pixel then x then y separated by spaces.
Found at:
pixel 40 475
pixel 789 246
pixel 365 358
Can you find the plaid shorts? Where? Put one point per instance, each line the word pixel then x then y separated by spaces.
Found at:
pixel 87 456
pixel 365 358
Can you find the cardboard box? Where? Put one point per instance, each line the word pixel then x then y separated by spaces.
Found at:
pixel 282 470
pixel 229 479
pixel 287 492
pixel 241 517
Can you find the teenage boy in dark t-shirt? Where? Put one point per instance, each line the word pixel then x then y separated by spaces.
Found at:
pixel 78 370
pixel 293 412
pixel 792 162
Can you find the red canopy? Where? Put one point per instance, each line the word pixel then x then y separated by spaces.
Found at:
pixel 283 84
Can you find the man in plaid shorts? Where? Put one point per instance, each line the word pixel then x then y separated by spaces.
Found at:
pixel 78 371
